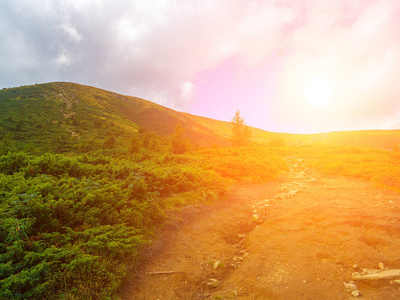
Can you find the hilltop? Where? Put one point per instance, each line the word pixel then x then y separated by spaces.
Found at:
pixel 69 117
pixel 59 115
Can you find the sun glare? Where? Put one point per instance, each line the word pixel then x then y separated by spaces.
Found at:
pixel 318 92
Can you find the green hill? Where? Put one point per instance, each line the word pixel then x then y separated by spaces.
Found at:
pixel 86 175
pixel 63 117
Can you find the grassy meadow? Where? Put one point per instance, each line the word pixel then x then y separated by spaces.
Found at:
pixel 376 165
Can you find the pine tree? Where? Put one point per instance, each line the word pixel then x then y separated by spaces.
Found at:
pixel 241 133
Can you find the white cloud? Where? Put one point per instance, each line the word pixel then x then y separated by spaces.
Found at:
pixel 71 32
pixel 187 89
pixel 63 57
pixel 155 49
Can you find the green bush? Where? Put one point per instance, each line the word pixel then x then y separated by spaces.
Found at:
pixel 70 226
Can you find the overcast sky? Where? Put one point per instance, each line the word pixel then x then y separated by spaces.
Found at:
pixel 298 66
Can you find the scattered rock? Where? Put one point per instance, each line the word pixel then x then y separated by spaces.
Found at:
pixel 213 282
pixel 356 293
pixel 350 287
pixel 238 258
pixel 396 281
pixel 281 196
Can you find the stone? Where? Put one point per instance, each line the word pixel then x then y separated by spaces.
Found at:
pixel 255 217
pixel 216 264
pixel 397 281
pixel 350 287
pixel 381 266
pixel 356 293
pixel 241 236
pixel 213 282
pixel 281 196
pixel 238 258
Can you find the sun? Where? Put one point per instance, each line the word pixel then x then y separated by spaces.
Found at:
pixel 318 92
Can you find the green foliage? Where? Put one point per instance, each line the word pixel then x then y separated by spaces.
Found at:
pixel 109 142
pixel 71 225
pixel 241 133
pixel 82 188
pixel 244 164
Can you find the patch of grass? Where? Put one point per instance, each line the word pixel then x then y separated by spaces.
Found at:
pixel 375 165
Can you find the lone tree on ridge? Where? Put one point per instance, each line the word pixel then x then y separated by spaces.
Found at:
pixel 241 133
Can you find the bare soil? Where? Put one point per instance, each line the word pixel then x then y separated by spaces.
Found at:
pixel 299 237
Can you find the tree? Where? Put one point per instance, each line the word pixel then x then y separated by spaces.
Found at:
pixel 241 133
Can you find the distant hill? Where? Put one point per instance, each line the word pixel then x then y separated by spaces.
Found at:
pixel 377 139
pixel 47 115
pixel 56 116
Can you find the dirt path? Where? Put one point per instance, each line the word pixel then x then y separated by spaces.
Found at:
pixel 299 237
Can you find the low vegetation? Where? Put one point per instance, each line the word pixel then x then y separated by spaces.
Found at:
pixel 85 179
pixel 71 225
pixel 376 165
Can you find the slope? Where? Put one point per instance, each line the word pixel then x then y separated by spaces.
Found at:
pixel 60 114
pixel 64 117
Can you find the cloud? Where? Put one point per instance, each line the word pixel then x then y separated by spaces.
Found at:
pixel 158 50
pixel 359 55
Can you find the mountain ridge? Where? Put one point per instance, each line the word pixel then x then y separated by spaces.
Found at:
pixel 66 112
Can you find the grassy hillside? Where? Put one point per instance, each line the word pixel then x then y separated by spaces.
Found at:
pixel 62 116
pixel 85 177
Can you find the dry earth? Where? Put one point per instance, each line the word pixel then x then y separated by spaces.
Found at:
pixel 299 237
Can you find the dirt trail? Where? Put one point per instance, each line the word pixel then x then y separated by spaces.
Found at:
pixel 298 237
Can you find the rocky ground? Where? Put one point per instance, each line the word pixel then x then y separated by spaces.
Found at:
pixel 303 236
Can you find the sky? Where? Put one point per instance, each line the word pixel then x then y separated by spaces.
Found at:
pixel 297 66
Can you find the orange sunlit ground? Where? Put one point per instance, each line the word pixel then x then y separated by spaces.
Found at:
pixel 301 236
